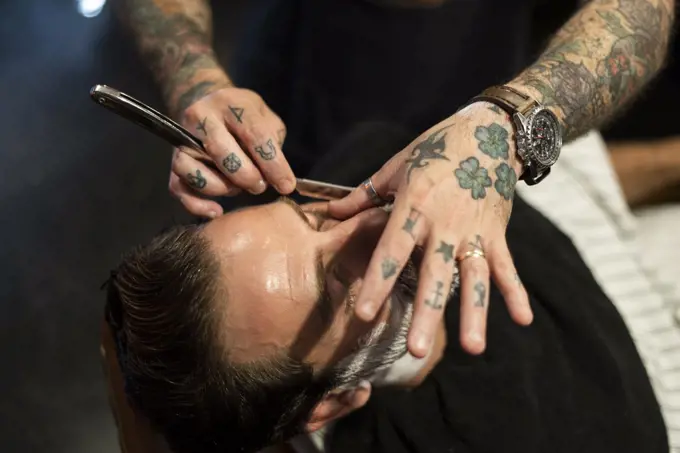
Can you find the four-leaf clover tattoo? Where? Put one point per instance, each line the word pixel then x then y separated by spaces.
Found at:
pixel 506 181
pixel 472 176
pixel 493 140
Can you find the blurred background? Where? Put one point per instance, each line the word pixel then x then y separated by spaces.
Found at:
pixel 78 186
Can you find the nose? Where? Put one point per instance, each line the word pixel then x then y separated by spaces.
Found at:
pixel 365 226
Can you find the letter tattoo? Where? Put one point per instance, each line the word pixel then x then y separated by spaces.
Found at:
pixel 477 245
pixel 231 163
pixel 480 289
pixel 201 126
pixel 389 268
pixel 237 112
pixel 432 148
pixel 411 222
pixel 435 303
pixel 446 250
pixel 198 180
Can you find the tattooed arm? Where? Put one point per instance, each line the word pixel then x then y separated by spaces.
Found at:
pixel 599 60
pixel 242 136
pixel 174 38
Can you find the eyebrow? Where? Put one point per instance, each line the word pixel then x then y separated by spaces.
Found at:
pixel 323 303
pixel 298 210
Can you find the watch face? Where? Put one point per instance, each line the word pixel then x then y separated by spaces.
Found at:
pixel 545 137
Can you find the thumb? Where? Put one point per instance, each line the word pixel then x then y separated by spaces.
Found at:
pixel 385 182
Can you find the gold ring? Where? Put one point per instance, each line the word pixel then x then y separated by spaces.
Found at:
pixel 476 253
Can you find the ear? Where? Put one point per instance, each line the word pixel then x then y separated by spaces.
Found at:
pixel 337 404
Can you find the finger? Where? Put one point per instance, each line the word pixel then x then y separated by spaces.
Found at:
pixel 201 178
pixel 359 199
pixel 434 283
pixel 505 275
pixel 393 250
pixel 258 131
pixel 228 156
pixel 193 203
pixel 474 303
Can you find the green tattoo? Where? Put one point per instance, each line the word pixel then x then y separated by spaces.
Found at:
pixel 472 176
pixel 446 250
pixel 493 140
pixel 494 108
pixel 506 181
pixel 389 268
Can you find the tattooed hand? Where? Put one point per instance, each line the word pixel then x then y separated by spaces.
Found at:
pixel 453 188
pixel 243 137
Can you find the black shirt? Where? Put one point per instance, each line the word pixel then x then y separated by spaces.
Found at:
pixel 327 66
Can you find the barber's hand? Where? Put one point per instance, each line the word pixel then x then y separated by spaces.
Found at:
pixel 244 139
pixel 453 188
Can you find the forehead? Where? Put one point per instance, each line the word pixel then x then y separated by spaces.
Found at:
pixel 267 261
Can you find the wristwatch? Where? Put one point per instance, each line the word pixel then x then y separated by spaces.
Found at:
pixel 538 131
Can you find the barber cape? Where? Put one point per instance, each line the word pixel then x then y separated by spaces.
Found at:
pixel 572 382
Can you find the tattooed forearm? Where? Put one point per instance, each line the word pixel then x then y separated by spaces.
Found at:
pixel 174 38
pixel 437 300
pixel 599 60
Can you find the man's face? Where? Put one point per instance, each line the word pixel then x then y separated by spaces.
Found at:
pixel 289 278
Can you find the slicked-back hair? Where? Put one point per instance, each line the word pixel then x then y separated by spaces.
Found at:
pixel 165 305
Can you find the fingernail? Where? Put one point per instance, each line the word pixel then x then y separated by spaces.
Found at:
pixel 212 214
pixel 260 187
pixel 422 343
pixel 364 385
pixel 366 310
pixel 475 337
pixel 285 185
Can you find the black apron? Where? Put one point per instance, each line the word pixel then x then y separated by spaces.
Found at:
pixel 572 382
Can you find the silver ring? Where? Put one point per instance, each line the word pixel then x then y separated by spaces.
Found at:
pixel 475 253
pixel 376 199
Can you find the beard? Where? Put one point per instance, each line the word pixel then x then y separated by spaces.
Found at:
pixel 387 342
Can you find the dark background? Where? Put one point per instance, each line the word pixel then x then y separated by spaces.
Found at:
pixel 78 186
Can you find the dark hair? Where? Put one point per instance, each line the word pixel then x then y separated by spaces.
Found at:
pixel 161 304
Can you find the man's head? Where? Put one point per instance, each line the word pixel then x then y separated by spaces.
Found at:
pixel 240 333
